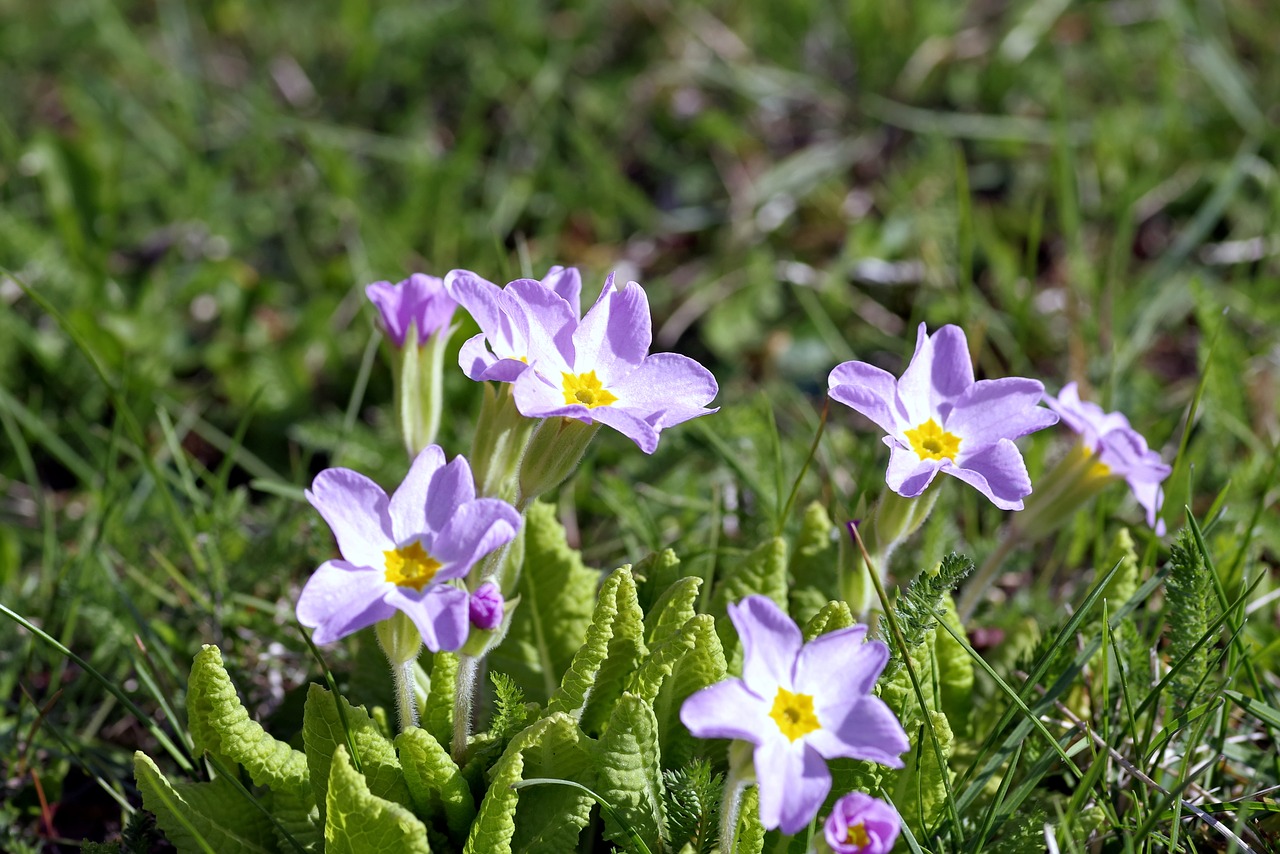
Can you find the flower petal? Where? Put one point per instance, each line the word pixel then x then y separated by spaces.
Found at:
pixel 419 300
pixel 672 387
pixel 482 300
pixel 840 665
pixel 644 434
pixel 441 613
pixel 793 782
pixel 939 372
pixel 356 510
pixel 451 487
pixel 868 391
pixel 727 710
pixel 546 320
pixel 479 363
pixel 408 505
pixel 908 475
pixel 867 729
pixel 1088 419
pixel 614 337
pixel 474 529
pixel 771 641
pixel 537 396
pixel 997 471
pixel 991 410
pixel 567 282
pixel 341 598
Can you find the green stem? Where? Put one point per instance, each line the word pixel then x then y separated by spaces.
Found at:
pixel 741 775
pixel 406 700
pixel 463 704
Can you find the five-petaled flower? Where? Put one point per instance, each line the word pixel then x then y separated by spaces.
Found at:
pixel 799 704
pixel 938 419
pixel 419 301
pixel 1117 450
pixel 861 824
pixel 402 553
pixel 597 369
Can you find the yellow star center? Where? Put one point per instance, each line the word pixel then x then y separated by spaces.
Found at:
pixel 1098 470
pixel 587 390
pixel 931 442
pixel 411 566
pixel 858 835
pixel 793 713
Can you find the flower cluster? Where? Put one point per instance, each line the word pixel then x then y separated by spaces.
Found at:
pixel 799 705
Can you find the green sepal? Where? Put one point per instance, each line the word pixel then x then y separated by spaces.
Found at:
pixel 557 596
pixel 762 571
pixel 613 649
pixel 814 564
pixel 323 733
pixel 206 817
pixel 543 818
pixel 630 772
pixel 435 783
pixel 358 821
pixel 832 617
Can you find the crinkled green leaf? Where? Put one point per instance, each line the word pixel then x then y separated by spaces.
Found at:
pixel 1124 583
pixel 813 567
pixel 691 659
pixel 298 816
pixel 655 573
pixel 954 671
pixel 897 691
pixel 920 793
pixel 358 821
pixel 748 836
pixel 832 617
pixel 437 712
pixel 322 734
pixel 206 817
pixel 613 649
pixel 673 608
pixel 434 781
pixel 544 818
pixel 763 571
pixel 630 772
pixel 557 596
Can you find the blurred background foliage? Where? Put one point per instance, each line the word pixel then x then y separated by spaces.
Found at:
pixel 195 194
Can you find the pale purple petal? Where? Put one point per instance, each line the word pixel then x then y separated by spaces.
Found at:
pixel 727 710
pixel 871 392
pixel 940 371
pixel 644 434
pixel 485 607
pixel 341 598
pixel 546 320
pixel 536 396
pixel 408 507
pixel 673 387
pixel 451 487
pixel 420 301
pixel 908 475
pixel 840 665
pixel 991 410
pixel 1086 418
pixel 567 282
pixel 879 821
pixel 483 301
pixel 997 471
pixel 475 529
pixel 479 363
pixel 1151 497
pixel 614 337
pixel 356 510
pixel 865 729
pixel 793 782
pixel 770 643
pixel 440 612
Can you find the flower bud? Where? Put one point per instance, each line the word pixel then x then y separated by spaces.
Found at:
pixel 486 607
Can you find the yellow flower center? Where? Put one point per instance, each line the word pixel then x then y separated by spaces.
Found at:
pixel 587 390
pixel 411 566
pixel 793 713
pixel 858 835
pixel 931 442
pixel 1098 470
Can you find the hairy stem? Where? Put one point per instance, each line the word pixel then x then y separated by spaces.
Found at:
pixel 463 703
pixel 406 700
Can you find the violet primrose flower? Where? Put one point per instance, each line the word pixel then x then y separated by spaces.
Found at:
pixel 486 607
pixel 517 322
pixel 400 553
pixel 940 420
pixel 1120 451
pixel 419 301
pixel 799 704
pixel 861 824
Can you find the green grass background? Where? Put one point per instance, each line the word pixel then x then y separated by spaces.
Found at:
pixel 192 196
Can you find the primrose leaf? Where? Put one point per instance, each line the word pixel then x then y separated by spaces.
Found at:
pixel 542 818
pixel 675 607
pixel 358 821
pixel 763 571
pixel 630 772
pixel 208 817
pixel 434 781
pixel 557 596
pixel 612 651
pixel 655 573
pixel 831 618
pixel 323 733
pixel 813 567
pixel 437 712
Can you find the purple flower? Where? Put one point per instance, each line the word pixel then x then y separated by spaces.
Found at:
pixel 1118 449
pixel 861 824
pixel 420 301
pixel 486 607
pixel 400 553
pixel 600 370
pixel 939 419
pixel 516 322
pixel 799 705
